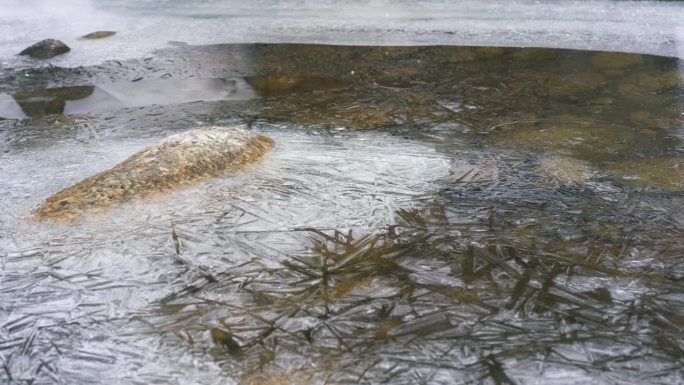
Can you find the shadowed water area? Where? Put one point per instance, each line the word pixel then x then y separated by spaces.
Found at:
pixel 435 215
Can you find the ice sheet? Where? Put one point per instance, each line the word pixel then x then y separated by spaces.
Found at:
pixel 645 26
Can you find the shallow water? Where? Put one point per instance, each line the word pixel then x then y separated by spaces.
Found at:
pixel 429 215
pixel 114 96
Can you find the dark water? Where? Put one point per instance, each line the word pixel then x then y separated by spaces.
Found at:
pixel 431 215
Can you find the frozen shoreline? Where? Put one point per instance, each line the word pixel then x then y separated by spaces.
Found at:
pixel 642 27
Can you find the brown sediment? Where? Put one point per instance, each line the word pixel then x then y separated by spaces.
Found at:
pixel 664 173
pixel 611 61
pixel 273 86
pixel 175 161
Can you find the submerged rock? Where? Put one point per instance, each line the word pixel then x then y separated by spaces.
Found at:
pixel 46 49
pixel 99 34
pixel 35 103
pixel 664 173
pixel 175 161
pixel 563 170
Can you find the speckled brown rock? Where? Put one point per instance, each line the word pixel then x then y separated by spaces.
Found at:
pixel 99 35
pixel 175 161
pixel 46 49
pixel 563 170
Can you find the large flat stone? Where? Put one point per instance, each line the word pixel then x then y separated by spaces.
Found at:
pixel 173 162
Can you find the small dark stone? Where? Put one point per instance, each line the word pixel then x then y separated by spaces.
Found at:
pixel 46 49
pixel 99 34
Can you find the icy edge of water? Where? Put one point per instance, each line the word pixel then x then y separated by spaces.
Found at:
pixel 639 27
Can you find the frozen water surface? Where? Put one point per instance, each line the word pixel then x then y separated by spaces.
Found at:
pixel 430 214
pixel 647 26
pixel 116 268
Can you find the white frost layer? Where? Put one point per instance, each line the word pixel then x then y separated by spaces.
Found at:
pixel 144 25
pixel 116 266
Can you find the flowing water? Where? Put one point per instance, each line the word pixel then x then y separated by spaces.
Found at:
pixel 430 214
